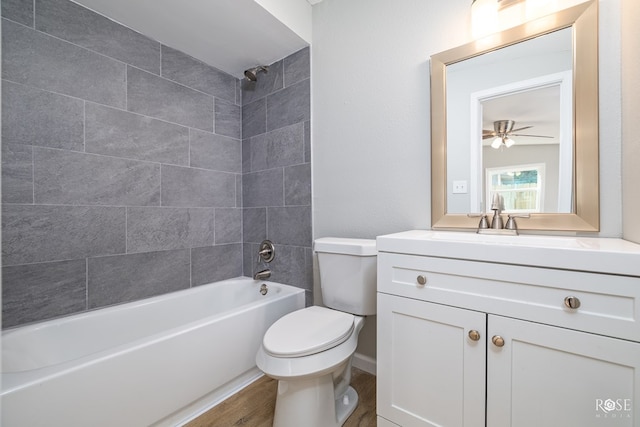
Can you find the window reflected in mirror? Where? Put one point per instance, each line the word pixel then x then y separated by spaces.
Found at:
pixel 521 187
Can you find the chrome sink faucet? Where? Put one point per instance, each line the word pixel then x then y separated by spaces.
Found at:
pixel 497 224
pixel 497 206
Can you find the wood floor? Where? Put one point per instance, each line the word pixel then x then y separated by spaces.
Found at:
pixel 254 406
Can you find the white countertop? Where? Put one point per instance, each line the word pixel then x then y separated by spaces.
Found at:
pixel 603 255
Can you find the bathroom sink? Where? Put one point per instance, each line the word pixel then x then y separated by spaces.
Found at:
pixel 522 240
pixel 608 255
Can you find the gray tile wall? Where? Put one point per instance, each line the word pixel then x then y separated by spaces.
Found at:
pixel 121 165
pixel 124 171
pixel 276 162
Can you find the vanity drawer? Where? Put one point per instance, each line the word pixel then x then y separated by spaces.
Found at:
pixel 603 304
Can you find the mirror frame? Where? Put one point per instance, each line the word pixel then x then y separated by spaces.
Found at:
pixel 585 216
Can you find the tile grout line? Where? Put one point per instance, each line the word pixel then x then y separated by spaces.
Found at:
pixel 33 178
pixel 160 45
pixel 129 159
pixel 284 191
pixel 126 64
pixel 86 283
pixel 126 88
pixel 104 55
pixel 124 110
pixel 126 231
pixel 84 126
pixel 160 187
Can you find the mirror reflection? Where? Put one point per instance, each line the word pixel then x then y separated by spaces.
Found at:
pixel 510 128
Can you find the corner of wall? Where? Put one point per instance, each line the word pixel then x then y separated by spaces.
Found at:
pixel 295 14
pixel 630 126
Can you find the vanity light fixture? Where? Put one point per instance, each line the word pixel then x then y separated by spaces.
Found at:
pixel 506 3
pixel 484 17
pixel 491 16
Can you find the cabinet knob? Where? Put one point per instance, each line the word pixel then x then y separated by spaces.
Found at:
pixel 572 302
pixel 422 279
pixel 474 335
pixel 497 340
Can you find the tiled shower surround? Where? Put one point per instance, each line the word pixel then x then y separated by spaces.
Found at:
pixel 130 169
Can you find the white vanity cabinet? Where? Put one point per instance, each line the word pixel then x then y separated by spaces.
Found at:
pixel 466 342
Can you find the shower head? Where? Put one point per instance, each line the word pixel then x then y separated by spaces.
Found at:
pixel 252 73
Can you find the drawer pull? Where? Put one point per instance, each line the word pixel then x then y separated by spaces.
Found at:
pixel 572 302
pixel 474 335
pixel 422 279
pixel 497 340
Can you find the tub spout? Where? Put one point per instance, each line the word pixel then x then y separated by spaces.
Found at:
pixel 262 275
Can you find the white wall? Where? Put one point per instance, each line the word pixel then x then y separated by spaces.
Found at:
pixel 630 122
pixel 370 114
pixel 610 119
pixel 370 111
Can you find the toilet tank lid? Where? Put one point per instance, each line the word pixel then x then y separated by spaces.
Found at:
pixel 341 245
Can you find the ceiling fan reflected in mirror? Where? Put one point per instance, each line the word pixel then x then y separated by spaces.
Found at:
pixel 503 131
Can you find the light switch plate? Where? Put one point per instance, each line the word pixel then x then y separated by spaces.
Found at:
pixel 459 187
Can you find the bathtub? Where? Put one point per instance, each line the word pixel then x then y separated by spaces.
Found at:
pixel 160 361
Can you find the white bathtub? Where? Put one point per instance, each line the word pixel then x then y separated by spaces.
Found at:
pixel 159 361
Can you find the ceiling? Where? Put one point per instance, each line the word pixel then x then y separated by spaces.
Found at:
pixel 231 35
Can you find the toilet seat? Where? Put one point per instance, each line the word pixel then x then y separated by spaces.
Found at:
pixel 308 331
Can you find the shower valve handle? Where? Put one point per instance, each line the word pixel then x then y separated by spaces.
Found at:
pixel 266 251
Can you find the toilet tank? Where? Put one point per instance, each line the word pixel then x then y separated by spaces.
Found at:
pixel 348 274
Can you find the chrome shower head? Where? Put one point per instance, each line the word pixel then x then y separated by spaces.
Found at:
pixel 252 73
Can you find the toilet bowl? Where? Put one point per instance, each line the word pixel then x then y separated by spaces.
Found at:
pixel 313 375
pixel 310 351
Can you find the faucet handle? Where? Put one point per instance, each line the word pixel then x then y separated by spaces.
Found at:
pixel 484 223
pixel 266 251
pixel 511 222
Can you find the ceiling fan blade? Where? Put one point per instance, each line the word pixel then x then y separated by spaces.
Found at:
pixel 519 129
pixel 523 128
pixel 531 136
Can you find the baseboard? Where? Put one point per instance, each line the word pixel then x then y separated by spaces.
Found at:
pixel 365 363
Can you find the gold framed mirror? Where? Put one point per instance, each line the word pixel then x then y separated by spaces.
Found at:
pixel 582 211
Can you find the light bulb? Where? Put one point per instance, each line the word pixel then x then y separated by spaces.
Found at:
pixel 484 17
pixel 508 142
pixel 496 143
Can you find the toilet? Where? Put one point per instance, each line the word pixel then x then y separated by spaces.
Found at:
pixel 309 351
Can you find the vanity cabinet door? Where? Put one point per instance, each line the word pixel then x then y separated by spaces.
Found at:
pixel 549 376
pixel 431 370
